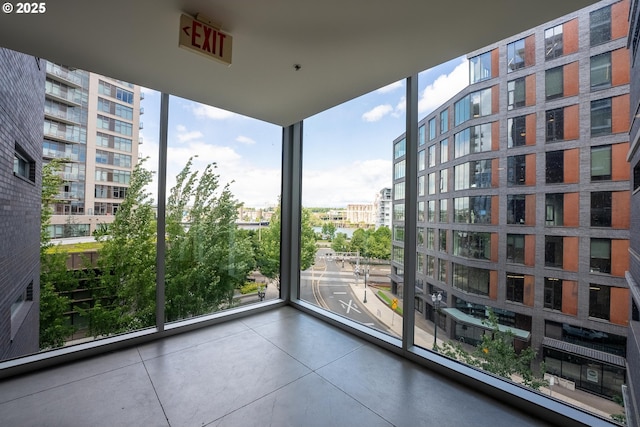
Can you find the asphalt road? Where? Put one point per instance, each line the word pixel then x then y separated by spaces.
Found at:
pixel 326 284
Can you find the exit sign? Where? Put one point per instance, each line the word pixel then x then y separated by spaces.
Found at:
pixel 200 36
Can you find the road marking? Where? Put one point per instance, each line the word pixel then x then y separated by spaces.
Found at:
pixel 339 293
pixel 369 324
pixel 350 306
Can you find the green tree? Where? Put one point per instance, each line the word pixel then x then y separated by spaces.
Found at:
pixel 329 229
pixel 125 292
pixel 54 277
pixel 496 354
pixel 379 243
pixel 269 256
pixel 340 243
pixel 358 242
pixel 210 258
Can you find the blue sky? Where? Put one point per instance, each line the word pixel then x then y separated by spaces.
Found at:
pixel 347 149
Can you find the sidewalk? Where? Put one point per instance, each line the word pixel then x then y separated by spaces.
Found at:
pixel 424 338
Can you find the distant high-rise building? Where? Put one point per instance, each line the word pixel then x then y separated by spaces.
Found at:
pixel 93 122
pixel 382 206
pixel 22 80
pixel 523 197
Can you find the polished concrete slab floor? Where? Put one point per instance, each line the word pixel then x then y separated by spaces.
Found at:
pixel 278 368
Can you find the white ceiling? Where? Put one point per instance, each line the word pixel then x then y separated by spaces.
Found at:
pixel 346 47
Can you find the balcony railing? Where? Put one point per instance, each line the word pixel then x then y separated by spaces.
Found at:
pixel 63 74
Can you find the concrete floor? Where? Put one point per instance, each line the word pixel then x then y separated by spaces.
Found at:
pixel 278 368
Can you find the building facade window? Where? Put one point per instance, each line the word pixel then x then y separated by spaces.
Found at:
pixel 472 210
pixel 517 131
pixel 474 139
pixel 554 169
pixel 476 104
pixel 516 209
pixel 516 90
pixel 599 301
pixel 432 183
pixel 23 165
pixel 480 68
pixel 444 210
pixel 601 209
pixel 421 185
pixel 421 211
pixel 444 121
pixel 515 287
pixel 554 209
pixel 553 293
pixel 432 129
pixel 431 211
pixel 600 25
pixel 554 83
pixel 515 248
pixel 399 170
pixel 431 155
pixel 476 174
pixel 400 148
pixel 600 73
pixel 516 170
pixel 444 180
pixel 515 55
pixel 600 258
pixel 398 212
pixel 422 162
pixel 398 191
pixel 553 42
pixel 554 125
pixel 422 137
pixel 601 163
pixel 469 244
pixel 444 150
pixel 471 279
pixel 601 117
pixel 553 251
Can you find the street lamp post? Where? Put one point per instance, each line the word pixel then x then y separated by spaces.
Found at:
pixel 436 299
pixel 366 276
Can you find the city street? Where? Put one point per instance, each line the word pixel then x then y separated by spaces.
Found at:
pixel 328 284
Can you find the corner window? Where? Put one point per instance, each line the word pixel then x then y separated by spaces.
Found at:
pixel 480 68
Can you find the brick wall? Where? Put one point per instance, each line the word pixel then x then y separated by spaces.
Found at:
pixel 22 79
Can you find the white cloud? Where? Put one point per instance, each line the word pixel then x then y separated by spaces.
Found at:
pixel 184 136
pixel 391 87
pixel 357 182
pixel 245 140
pixel 443 88
pixel 209 112
pixel 377 113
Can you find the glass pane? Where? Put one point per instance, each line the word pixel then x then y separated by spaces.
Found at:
pixel 357 272
pixel 223 215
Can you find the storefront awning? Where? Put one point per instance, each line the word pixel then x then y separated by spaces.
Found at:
pixel 462 317
pixel 589 353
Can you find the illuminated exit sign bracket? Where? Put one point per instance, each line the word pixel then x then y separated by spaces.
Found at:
pixel 201 36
